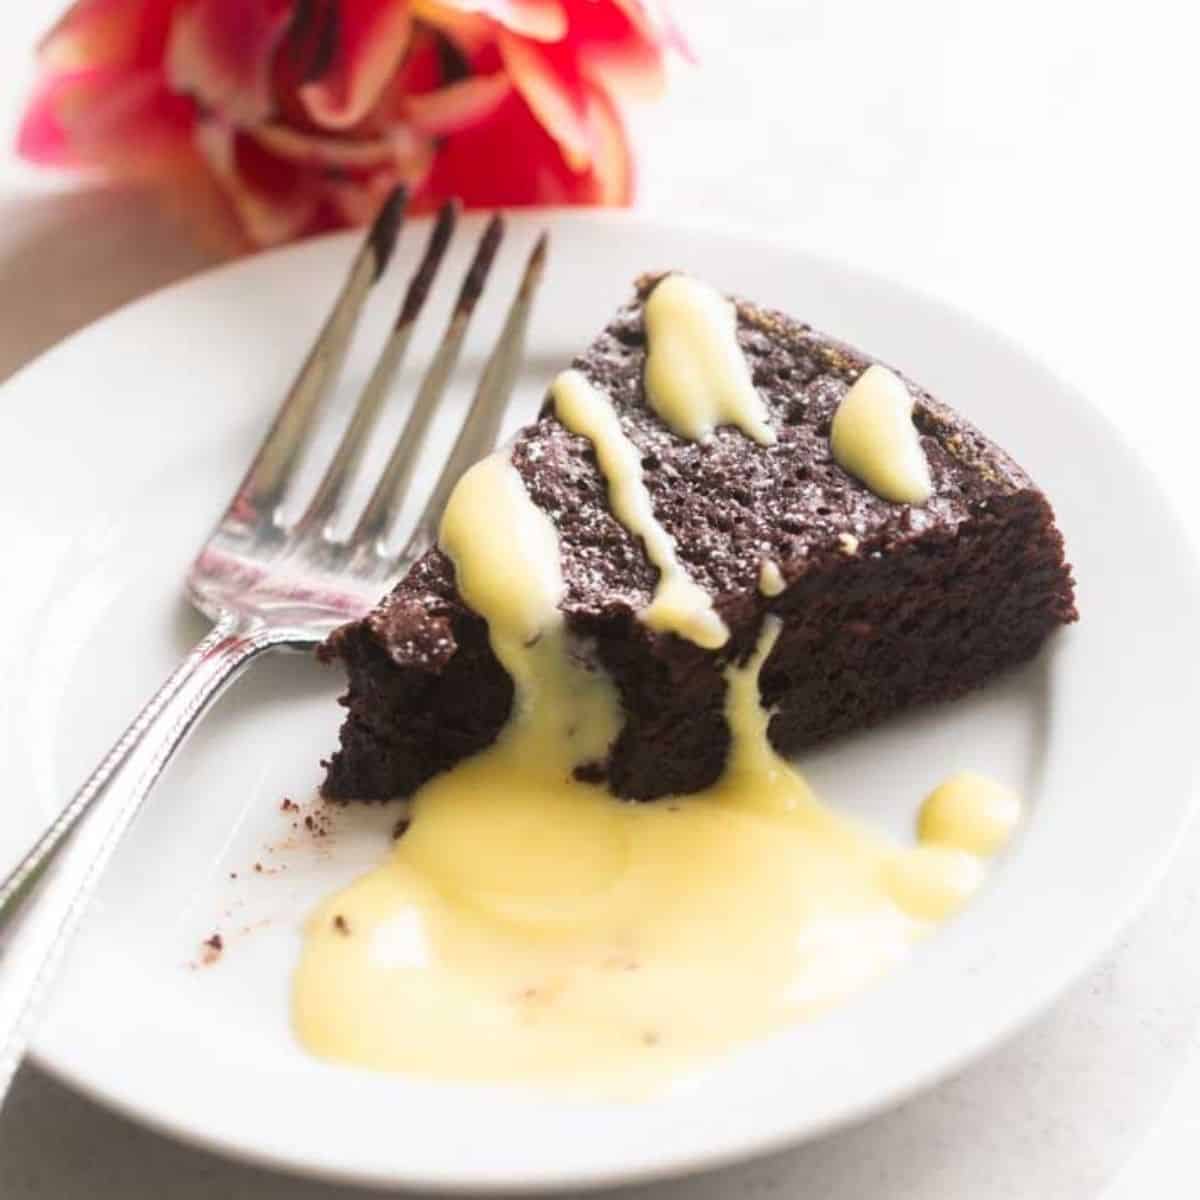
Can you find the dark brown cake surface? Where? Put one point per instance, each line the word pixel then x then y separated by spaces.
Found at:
pixel 885 606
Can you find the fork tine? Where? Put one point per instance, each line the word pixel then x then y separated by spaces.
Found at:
pixel 325 506
pixel 477 436
pixel 265 483
pixel 389 493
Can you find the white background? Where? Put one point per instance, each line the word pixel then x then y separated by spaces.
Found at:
pixel 1033 161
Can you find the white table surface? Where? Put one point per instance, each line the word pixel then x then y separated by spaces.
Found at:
pixel 1033 161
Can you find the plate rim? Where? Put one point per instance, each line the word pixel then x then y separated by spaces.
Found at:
pixel 1081 955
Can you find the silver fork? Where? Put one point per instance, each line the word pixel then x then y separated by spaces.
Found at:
pixel 267 583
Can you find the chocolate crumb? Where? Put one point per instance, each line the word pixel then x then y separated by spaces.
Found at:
pixel 289 805
pixel 341 925
pixel 258 867
pixel 232 874
pixel 211 949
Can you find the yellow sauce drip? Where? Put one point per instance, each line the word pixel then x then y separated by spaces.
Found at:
pixel 873 438
pixel 696 374
pixel 770 578
pixel 531 928
pixel 680 605
pixel 969 812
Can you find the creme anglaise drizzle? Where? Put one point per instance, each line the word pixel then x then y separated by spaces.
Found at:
pixel 969 812
pixel 696 374
pixel 873 438
pixel 679 605
pixel 529 927
pixel 770 578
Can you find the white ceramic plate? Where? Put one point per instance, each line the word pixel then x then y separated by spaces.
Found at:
pixel 116 452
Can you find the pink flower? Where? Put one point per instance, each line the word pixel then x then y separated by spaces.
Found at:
pixel 271 119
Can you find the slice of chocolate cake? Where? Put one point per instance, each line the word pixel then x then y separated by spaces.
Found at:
pixel 885 603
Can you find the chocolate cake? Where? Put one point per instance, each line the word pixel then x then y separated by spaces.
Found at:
pixel 885 606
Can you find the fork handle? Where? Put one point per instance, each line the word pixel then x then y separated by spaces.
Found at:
pixel 49 891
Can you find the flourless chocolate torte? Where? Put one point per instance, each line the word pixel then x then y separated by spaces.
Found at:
pixel 884 605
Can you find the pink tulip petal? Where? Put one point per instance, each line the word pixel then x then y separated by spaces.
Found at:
pixel 542 20
pixel 468 30
pixel 612 159
pixel 99 33
pixel 618 47
pixel 399 151
pixel 312 150
pixel 639 77
pixel 421 71
pixel 220 51
pixel 557 84
pixel 658 24
pixel 547 76
pixel 511 159
pixel 122 120
pixel 459 105
pixel 273 200
pixel 370 39
pixel 90 34
pixel 41 138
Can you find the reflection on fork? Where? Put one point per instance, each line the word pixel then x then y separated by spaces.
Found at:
pixel 270 583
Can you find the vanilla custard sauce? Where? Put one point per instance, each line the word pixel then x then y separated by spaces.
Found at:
pixel 875 440
pixel 529 927
pixel 680 605
pixel 696 374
